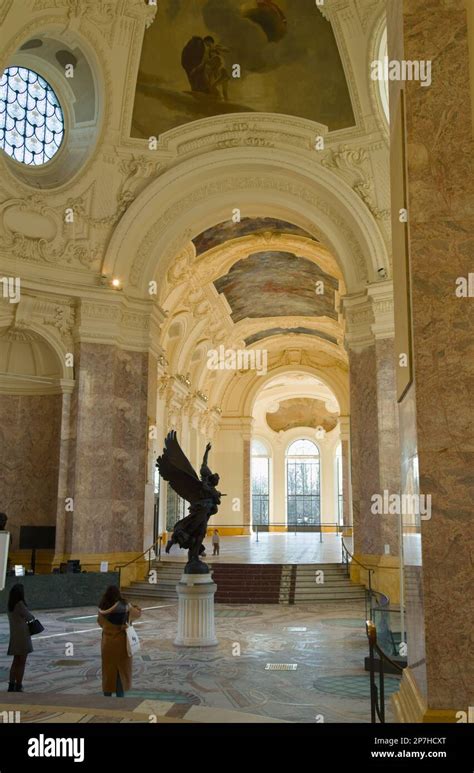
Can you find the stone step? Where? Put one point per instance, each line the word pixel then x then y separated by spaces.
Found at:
pixel 257 583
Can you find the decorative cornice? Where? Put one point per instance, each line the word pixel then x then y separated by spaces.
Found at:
pixel 381 295
pixel 359 318
pixel 369 316
pixel 132 325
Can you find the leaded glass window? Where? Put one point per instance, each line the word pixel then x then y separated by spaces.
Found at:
pixel 260 483
pixel 303 484
pixel 31 119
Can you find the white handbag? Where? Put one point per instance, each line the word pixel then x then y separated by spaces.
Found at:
pixel 133 642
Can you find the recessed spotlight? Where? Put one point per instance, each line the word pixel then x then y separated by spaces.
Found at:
pixel 116 283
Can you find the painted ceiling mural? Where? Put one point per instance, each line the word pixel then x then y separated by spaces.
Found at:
pixel 287 53
pixel 248 226
pixel 301 412
pixel 277 284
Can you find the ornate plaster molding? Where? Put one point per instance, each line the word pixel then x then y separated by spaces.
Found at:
pixel 54 247
pixel 235 184
pixel 353 165
pixel 369 316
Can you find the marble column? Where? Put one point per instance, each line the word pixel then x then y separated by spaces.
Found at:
pixel 108 466
pixel 66 444
pixel 432 129
pixel 375 461
pixel 346 475
pixel 153 450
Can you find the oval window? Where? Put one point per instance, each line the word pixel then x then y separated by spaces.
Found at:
pixel 31 119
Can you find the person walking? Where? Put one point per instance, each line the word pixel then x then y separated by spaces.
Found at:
pixel 20 644
pixel 216 540
pixel 114 613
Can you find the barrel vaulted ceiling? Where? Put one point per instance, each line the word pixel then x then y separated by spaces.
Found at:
pixel 277 284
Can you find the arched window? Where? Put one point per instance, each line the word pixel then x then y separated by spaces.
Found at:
pixel 260 483
pixel 31 119
pixel 303 497
pixel 339 492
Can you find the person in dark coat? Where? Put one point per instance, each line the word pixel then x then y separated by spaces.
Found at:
pixel 20 644
pixel 114 613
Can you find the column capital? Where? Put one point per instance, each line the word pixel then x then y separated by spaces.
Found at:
pixel 359 317
pixel 369 315
pixel 345 426
pixel 381 295
pixel 112 318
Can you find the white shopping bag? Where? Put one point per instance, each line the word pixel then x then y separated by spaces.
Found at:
pixel 133 642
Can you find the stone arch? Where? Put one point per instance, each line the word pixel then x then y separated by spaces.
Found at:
pixel 42 338
pixel 199 193
pixel 330 379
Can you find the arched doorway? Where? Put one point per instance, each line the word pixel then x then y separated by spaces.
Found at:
pixel 260 473
pixel 303 483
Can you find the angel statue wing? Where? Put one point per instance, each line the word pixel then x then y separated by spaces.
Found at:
pixel 175 467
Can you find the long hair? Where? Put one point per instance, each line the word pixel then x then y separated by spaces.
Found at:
pixel 110 597
pixel 17 593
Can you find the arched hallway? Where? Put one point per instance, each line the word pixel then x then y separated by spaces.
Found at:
pixel 276 262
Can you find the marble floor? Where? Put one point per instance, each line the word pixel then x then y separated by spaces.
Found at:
pixel 227 683
pixel 275 548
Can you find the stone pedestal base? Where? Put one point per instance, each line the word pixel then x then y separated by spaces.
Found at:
pixel 196 611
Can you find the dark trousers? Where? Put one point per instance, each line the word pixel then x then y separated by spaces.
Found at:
pixel 216 550
pixel 18 668
pixel 119 692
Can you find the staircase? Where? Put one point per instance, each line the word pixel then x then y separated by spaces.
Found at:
pixel 257 583
pixel 324 582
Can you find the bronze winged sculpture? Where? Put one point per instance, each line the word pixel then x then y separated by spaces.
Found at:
pixel 201 493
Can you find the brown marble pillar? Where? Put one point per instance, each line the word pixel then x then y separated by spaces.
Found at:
pixel 375 461
pixel 108 465
pixel 66 443
pixel 346 475
pixel 432 129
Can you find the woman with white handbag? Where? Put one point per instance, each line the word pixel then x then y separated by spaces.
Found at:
pixel 119 641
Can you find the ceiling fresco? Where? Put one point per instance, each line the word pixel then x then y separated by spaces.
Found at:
pixel 248 226
pixel 275 331
pixel 301 412
pixel 277 284
pixel 286 50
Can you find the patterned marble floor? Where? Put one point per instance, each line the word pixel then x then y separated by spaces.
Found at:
pixel 275 548
pixel 225 683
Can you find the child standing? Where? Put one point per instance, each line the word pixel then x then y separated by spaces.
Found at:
pixel 215 543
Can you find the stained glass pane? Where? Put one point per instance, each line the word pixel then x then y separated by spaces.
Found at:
pixel 31 119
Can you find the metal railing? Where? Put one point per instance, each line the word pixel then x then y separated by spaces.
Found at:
pixel 369 592
pixel 263 528
pixel 137 558
pixel 377 694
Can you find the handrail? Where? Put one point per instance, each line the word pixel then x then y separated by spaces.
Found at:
pixel 137 558
pixel 296 526
pixel 344 547
pixel 369 591
pixel 377 695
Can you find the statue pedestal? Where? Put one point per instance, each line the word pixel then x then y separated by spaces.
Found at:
pixel 196 611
